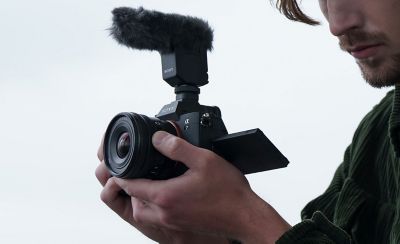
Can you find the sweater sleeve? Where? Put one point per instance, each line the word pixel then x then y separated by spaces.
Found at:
pixel 318 215
pixel 316 230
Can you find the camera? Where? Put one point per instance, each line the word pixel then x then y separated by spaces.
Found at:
pixel 183 43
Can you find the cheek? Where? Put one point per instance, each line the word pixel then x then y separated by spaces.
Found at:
pixel 395 22
pixel 396 39
pixel 386 19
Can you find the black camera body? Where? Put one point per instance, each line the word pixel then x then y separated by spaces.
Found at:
pixel 127 145
pixel 196 123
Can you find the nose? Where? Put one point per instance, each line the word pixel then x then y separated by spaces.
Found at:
pixel 343 16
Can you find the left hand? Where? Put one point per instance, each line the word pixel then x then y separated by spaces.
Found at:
pixel 211 197
pixel 125 206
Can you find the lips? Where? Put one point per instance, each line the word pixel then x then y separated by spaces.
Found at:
pixel 364 51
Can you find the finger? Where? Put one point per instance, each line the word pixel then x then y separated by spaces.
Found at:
pixel 179 150
pixel 119 203
pixel 100 154
pixel 146 213
pixel 147 190
pixel 102 173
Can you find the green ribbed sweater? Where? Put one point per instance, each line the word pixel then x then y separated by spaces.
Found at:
pixel 362 203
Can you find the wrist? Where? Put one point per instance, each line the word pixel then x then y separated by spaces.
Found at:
pixel 261 224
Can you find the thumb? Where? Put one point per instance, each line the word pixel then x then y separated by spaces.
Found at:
pixel 178 149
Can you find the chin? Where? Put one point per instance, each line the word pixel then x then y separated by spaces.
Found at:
pixel 380 84
pixel 381 74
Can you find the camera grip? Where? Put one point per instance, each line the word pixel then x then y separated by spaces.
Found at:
pixel 250 151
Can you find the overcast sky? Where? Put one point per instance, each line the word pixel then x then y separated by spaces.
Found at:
pixel 62 78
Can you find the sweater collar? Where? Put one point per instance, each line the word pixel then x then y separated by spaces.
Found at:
pixel 394 121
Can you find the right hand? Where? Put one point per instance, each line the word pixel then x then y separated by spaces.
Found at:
pixel 125 206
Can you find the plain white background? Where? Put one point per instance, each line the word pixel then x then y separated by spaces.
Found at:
pixel 62 78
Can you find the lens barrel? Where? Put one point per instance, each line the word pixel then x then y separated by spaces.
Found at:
pixel 129 152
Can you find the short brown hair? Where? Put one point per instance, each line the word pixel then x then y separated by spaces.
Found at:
pixel 292 11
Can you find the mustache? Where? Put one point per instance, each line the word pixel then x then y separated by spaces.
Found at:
pixel 360 37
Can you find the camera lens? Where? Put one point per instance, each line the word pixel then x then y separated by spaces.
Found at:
pixel 129 152
pixel 123 145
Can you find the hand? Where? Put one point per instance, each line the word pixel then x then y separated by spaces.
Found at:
pixel 212 197
pixel 127 207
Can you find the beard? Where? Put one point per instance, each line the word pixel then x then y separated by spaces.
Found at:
pixel 381 73
pixel 378 72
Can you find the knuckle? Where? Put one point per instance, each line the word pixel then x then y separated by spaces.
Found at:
pixel 99 173
pixel 106 193
pixel 166 218
pixel 102 174
pixel 104 196
pixel 128 192
pixel 208 158
pixel 137 216
pixel 138 207
pixel 174 146
pixel 100 154
pixel 164 200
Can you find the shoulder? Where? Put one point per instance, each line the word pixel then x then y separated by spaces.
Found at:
pixel 377 118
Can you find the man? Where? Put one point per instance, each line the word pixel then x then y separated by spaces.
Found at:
pixel 212 202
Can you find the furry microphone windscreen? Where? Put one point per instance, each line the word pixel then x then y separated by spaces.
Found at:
pixel 151 30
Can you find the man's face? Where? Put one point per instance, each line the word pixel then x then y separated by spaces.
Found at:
pixel 369 30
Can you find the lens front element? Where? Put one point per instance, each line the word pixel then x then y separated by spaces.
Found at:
pixel 123 145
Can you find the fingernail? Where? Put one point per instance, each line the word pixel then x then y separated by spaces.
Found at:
pixel 159 137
